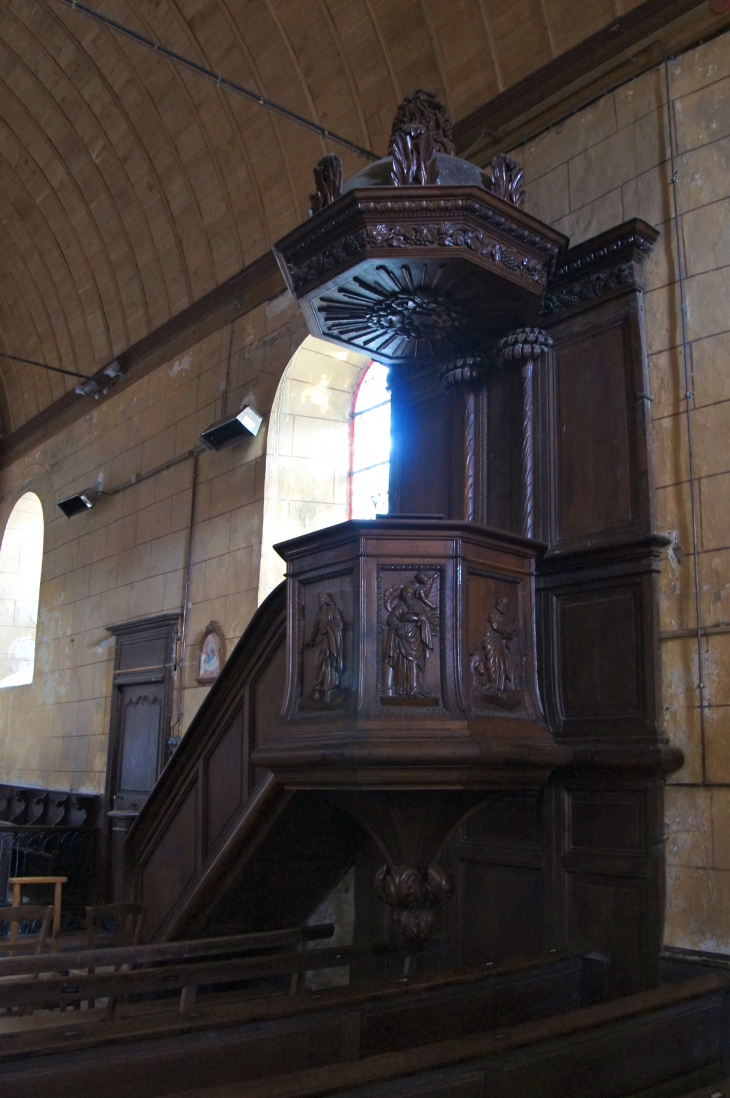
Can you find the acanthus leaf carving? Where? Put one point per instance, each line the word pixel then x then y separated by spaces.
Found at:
pixel 414 894
pixel 414 158
pixel 508 180
pixel 327 183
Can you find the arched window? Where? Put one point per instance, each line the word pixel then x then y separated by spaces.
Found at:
pixel 21 560
pixel 370 444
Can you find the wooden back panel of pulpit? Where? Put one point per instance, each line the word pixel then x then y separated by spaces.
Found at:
pixel 582 858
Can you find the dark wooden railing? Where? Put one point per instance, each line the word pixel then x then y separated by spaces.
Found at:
pixel 210 806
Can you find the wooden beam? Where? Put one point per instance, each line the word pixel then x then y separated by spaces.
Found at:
pixel 258 282
pixel 631 44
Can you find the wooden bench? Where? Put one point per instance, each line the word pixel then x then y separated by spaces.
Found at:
pixel 147 979
pixel 223 1041
pixel 70 977
pixel 640 1046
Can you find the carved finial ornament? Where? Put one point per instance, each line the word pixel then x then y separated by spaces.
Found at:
pixel 421 111
pixel 421 129
pixel 508 180
pixel 327 182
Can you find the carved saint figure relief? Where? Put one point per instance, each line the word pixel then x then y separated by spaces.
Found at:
pixel 411 626
pixel 495 668
pixel 327 642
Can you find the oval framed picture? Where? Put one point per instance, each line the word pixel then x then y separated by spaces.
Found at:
pixel 211 653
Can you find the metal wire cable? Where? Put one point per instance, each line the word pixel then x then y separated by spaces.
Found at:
pixel 219 80
pixel 43 365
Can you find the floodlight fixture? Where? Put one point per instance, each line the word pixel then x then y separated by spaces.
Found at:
pixel 232 429
pixel 82 501
pixel 115 371
pixel 90 387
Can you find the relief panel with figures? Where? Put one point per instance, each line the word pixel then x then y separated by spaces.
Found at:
pixel 410 653
pixel 326 656
pixel 495 642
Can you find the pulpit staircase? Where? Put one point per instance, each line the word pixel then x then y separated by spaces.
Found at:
pixel 219 846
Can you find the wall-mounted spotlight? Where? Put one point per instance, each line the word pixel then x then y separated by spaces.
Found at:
pixel 232 429
pixel 115 371
pixel 82 501
pixel 90 387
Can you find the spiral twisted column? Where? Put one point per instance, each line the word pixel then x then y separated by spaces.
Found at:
pixel 526 346
pixel 467 373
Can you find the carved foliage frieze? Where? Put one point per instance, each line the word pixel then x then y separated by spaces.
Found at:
pixel 609 262
pixel 591 286
pixel 398 223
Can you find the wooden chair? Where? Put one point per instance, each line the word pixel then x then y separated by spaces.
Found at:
pixel 27 913
pixel 127 920
pixel 58 883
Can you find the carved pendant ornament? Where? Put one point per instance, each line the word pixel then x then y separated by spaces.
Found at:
pixel 495 667
pixel 414 894
pixel 411 626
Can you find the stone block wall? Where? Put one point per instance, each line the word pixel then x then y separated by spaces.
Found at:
pixel 126 557
pixel 605 164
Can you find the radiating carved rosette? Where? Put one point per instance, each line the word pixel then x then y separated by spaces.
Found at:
pixel 414 894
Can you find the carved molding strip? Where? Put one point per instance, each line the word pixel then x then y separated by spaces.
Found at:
pixel 608 262
pixel 592 286
pixel 448 235
pixel 320 248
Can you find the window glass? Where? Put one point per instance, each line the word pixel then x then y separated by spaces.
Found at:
pixel 370 463
pixel 21 560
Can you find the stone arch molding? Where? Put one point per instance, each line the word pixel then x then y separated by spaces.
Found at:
pixel 307 449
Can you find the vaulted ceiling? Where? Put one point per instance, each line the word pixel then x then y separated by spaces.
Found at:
pixel 130 187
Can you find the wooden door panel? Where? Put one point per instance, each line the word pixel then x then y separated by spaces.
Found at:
pixel 141 716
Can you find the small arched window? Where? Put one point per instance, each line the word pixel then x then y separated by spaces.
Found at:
pixel 370 444
pixel 21 560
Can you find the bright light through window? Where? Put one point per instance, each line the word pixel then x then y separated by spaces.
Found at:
pixel 370 467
